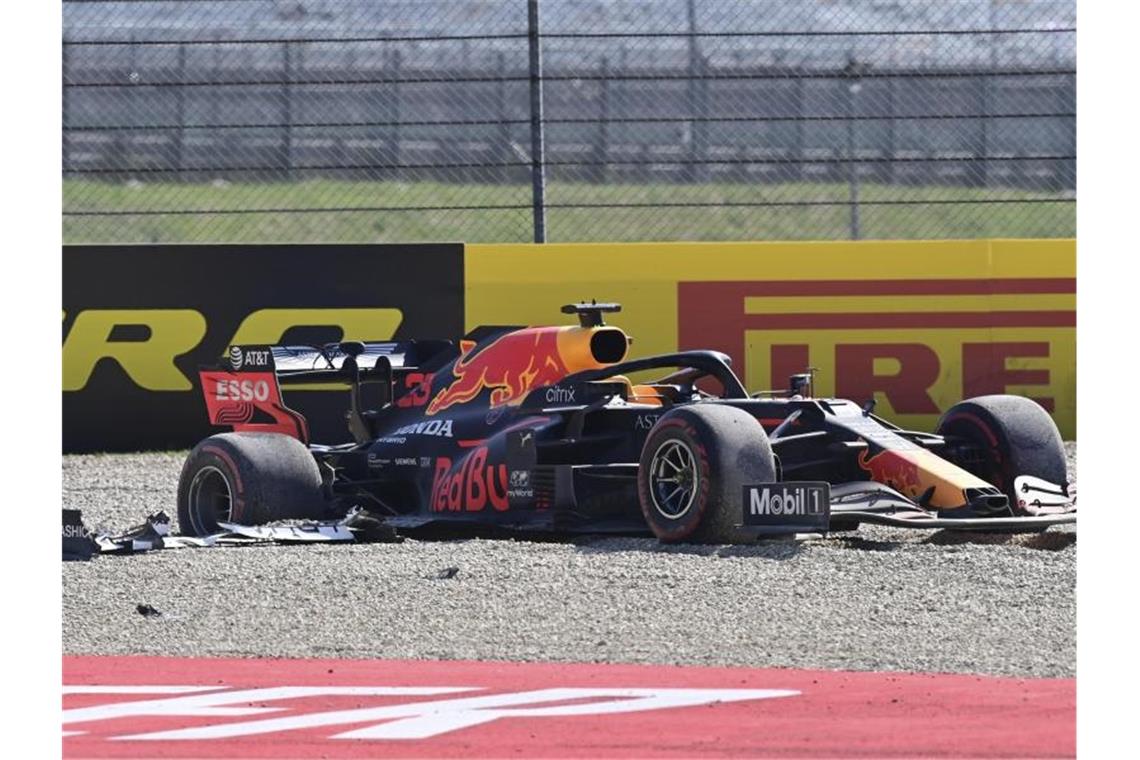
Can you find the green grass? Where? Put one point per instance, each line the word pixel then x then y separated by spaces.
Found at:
pixel 652 222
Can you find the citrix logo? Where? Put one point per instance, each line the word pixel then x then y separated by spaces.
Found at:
pixel 558 395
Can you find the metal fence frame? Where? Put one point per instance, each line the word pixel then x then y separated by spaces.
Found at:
pixel 849 164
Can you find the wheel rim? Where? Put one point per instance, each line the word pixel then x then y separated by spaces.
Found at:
pixel 673 479
pixel 209 499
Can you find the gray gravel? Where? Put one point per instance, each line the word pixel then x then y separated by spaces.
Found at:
pixel 881 599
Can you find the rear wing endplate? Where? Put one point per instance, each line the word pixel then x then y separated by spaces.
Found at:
pixel 243 391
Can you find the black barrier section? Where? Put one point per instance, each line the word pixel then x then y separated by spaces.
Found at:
pixel 140 320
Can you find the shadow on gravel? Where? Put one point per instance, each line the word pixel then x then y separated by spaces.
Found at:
pixel 771 549
pixel 865 544
pixel 599 543
pixel 1047 541
pixel 777 550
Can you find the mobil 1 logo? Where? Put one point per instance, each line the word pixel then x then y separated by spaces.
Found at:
pixel 790 504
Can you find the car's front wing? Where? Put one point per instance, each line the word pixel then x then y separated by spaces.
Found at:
pixel 869 502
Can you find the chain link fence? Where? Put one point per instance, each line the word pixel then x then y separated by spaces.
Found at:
pixel 564 120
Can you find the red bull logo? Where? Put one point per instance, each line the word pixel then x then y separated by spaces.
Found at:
pixel 894 469
pixel 509 367
pixel 469 487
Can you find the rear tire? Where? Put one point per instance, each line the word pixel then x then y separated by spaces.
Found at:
pixel 693 469
pixel 1014 436
pixel 247 478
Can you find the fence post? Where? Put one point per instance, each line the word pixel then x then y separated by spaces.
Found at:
pixel 537 139
pixel 601 141
pixel 800 147
pixel 852 169
pixel 851 75
pixel 287 111
pixel 701 128
pixel 180 104
pixel 66 106
pixel 393 116
pixel 892 131
pixel 121 146
pixel 696 97
pixel 358 113
pixel 982 177
pixel 503 153
pixel 987 91
pixel 214 103
pixel 1068 98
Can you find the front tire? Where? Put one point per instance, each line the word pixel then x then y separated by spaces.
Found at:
pixel 693 469
pixel 1004 437
pixel 249 479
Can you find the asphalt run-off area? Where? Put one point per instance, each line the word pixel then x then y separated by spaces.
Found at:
pixel 134 707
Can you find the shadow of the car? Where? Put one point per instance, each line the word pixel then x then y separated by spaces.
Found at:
pixel 769 549
pixel 1049 540
pixel 865 544
pixel 599 543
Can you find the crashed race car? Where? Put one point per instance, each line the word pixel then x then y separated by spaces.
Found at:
pixel 542 428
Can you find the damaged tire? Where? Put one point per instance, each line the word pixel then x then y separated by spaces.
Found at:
pixel 693 469
pixel 1000 437
pixel 247 478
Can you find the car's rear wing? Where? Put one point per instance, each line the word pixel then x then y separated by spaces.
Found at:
pixel 244 390
pixel 300 364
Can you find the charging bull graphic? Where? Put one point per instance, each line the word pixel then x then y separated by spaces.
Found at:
pixel 513 364
pixel 894 469
pixel 914 472
pixel 510 366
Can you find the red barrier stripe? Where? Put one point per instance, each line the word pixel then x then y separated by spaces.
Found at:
pixel 909 287
pixel 913 319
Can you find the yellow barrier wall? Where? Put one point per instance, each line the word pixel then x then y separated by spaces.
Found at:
pixel 918 324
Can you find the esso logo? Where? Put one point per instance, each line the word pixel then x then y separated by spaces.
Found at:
pixel 242 390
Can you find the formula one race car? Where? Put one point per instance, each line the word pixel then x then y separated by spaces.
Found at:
pixel 542 428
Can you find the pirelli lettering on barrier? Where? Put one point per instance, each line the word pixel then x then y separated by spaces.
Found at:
pixel 917 324
pixel 915 345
